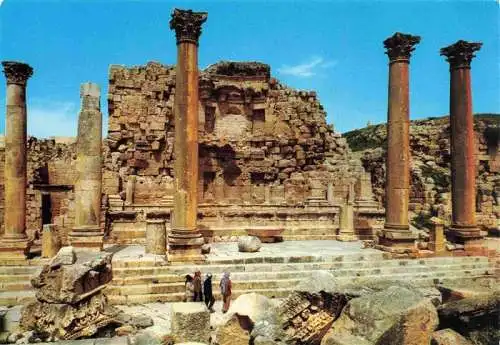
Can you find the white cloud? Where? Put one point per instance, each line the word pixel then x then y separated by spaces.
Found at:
pixel 52 118
pixel 308 69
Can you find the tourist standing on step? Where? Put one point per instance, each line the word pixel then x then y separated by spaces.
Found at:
pixel 189 288
pixel 225 289
pixel 198 296
pixel 207 292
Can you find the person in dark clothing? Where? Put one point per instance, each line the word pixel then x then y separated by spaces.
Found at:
pixel 207 291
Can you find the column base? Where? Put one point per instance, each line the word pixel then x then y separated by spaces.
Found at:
pixel 347 237
pixel 185 246
pixel 397 238
pixel 464 234
pixel 14 248
pixel 88 237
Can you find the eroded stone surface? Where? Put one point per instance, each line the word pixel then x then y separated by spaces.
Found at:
pixel 190 322
pixel 66 283
pixel 249 244
pixel 393 316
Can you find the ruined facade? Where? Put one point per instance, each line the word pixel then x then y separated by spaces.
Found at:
pixel 266 157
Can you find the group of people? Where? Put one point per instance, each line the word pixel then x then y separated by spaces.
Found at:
pixel 196 289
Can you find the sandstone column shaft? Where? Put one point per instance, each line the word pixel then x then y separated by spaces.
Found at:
pixel 14 240
pixel 186 138
pixel 399 48
pixel 185 240
pixel 86 232
pixel 398 148
pixel 463 179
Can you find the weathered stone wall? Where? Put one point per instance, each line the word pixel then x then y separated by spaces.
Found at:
pixel 430 166
pixel 50 162
pixel 255 133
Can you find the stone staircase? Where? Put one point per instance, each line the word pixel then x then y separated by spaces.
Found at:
pixel 146 281
pixel 15 276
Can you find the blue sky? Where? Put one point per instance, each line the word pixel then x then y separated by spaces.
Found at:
pixel 333 47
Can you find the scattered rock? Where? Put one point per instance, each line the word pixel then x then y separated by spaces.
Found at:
pixel 393 316
pixel 190 322
pixel 476 317
pixel 249 244
pixel 448 337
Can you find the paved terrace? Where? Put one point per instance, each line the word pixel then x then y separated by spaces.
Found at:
pixel 224 251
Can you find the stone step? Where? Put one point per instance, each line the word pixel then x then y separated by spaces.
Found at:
pixel 19 270
pixel 275 267
pixel 8 278
pixel 12 298
pixel 15 286
pixel 287 274
pixel 424 279
pixel 275 283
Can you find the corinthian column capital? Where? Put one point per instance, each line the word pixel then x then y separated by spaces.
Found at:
pixel 460 54
pixel 399 46
pixel 187 25
pixel 17 72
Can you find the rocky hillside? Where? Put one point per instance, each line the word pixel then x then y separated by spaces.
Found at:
pixel 430 166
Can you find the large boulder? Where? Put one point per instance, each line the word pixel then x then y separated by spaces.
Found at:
pixel 448 337
pixel 476 318
pixel 249 244
pixel 190 322
pixel 252 305
pixel 393 316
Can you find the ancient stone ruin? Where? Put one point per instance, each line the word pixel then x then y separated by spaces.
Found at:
pixel 227 170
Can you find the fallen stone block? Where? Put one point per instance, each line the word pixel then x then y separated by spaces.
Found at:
pixel 190 322
pixel 66 321
pixel 249 244
pixel 59 282
pixel 393 316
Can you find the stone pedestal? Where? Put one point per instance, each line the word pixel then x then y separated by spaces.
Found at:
pixel 156 237
pixel 86 233
pixel 51 242
pixel 346 223
pixel 14 242
pixel 396 229
pixel 463 165
pixel 437 239
pixel 185 240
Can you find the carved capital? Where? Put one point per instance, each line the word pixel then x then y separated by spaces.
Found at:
pixel 187 25
pixel 460 54
pixel 399 46
pixel 17 72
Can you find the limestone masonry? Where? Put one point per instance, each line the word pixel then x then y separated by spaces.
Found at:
pixel 266 156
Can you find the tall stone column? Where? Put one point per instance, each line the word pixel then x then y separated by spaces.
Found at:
pixel 14 241
pixel 463 167
pixel 396 230
pixel 86 233
pixel 185 240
